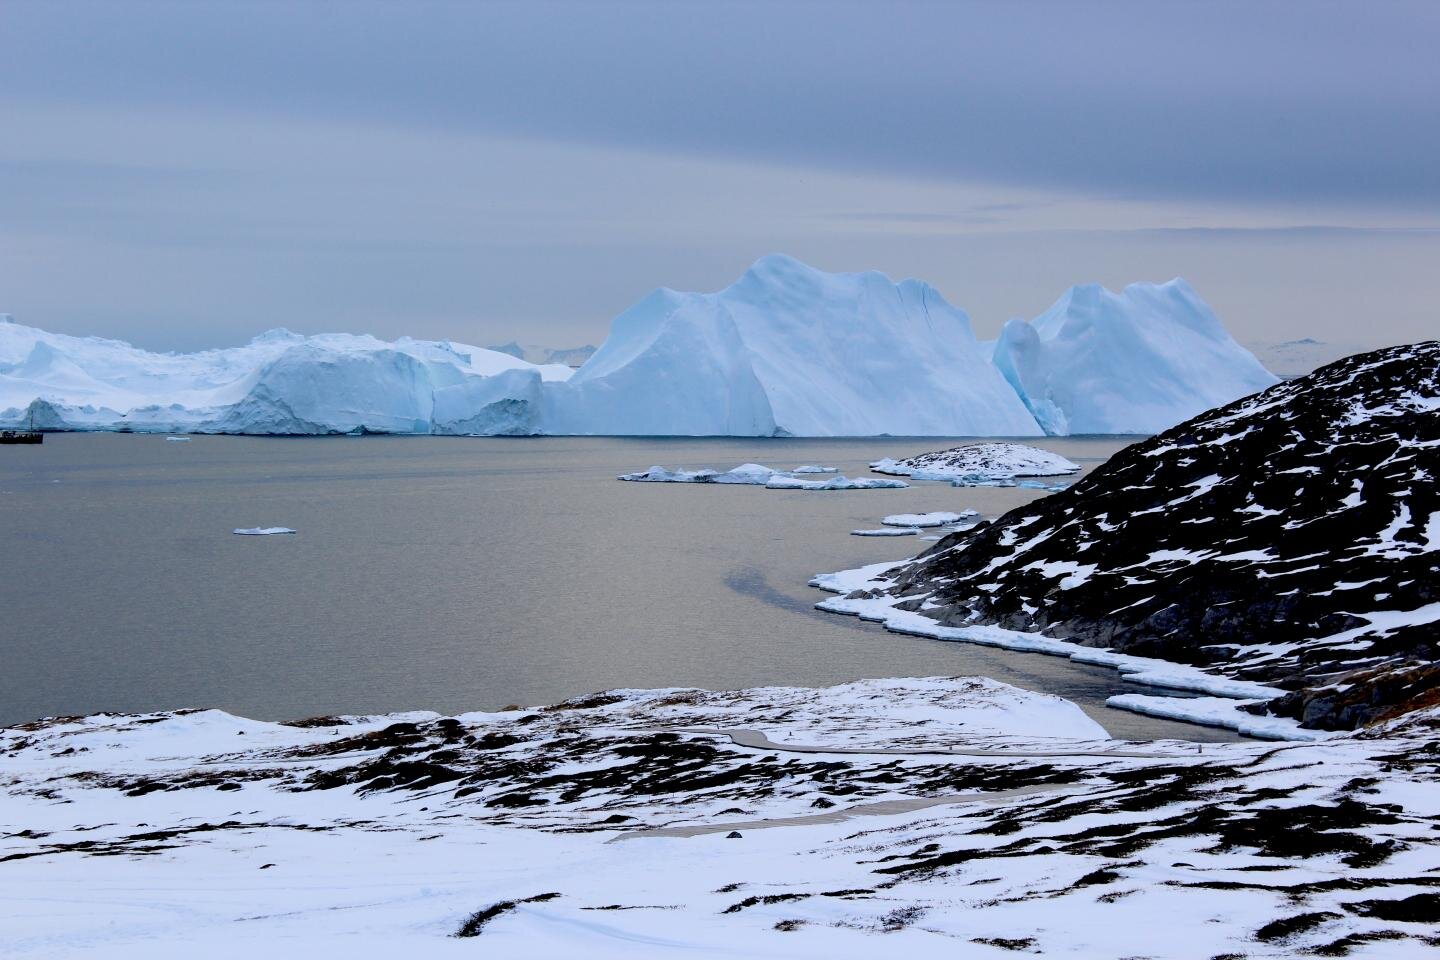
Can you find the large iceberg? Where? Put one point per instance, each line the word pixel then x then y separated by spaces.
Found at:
pixel 788 350
pixel 1138 361
pixel 278 383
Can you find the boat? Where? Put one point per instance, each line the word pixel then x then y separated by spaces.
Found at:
pixel 28 435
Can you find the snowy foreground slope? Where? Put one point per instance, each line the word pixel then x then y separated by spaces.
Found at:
pixel 918 818
pixel 1288 543
pixel 787 350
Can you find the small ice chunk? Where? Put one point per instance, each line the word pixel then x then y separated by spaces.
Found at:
pixel 177 439
pixel 811 468
pixel 262 531
pixel 886 532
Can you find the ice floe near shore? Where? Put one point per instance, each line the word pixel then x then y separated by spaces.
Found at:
pixel 754 474
pixel 921 816
pixel 938 518
pixel 747 473
pixel 782 482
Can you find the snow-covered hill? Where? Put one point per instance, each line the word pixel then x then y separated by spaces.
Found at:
pixel 926 818
pixel 787 350
pixel 1290 539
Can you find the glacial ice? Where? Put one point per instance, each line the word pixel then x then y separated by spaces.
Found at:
pixel 886 532
pixel 262 531
pixel 1139 361
pixel 787 350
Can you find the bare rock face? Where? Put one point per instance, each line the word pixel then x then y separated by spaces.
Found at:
pixel 1291 537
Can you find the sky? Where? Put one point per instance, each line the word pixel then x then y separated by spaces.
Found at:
pixel 187 174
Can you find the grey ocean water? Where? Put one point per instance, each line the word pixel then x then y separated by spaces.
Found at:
pixel 454 574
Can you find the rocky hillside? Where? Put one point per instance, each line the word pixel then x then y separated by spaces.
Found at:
pixel 1292 538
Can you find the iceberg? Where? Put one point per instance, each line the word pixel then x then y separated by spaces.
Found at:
pixel 886 532
pixel 786 350
pixel 1139 361
pixel 278 383
pixel 789 350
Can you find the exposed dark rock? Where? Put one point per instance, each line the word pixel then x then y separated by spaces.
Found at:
pixel 1290 538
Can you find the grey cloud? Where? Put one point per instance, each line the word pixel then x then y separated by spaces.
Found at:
pixel 1280 102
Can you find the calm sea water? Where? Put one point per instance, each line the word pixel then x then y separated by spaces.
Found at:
pixel 454 574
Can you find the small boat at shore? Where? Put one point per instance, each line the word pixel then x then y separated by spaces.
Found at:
pixel 28 435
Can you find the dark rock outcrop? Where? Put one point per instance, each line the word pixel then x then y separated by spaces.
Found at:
pixel 1291 537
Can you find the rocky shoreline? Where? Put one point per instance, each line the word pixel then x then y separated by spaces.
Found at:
pixel 1290 539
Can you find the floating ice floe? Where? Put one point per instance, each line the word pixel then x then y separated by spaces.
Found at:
pixel 782 482
pixel 262 531
pixel 754 474
pixel 177 439
pixel 886 532
pixel 747 473
pixel 979 463
pixel 814 469
pixel 939 518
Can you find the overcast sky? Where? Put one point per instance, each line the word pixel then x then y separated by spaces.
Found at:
pixel 184 175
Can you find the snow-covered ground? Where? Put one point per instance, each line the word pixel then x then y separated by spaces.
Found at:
pixel 787 350
pixel 1223 707
pixel 925 818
